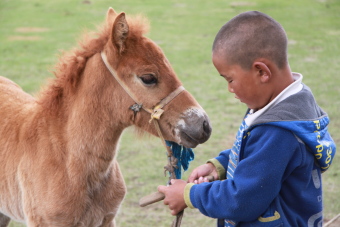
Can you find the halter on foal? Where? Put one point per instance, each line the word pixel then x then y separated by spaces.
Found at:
pixel 157 111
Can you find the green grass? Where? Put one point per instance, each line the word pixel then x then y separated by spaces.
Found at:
pixel 185 31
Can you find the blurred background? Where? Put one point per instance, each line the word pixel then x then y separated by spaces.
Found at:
pixel 34 33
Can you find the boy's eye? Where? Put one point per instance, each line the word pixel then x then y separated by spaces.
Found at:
pixel 148 79
pixel 228 80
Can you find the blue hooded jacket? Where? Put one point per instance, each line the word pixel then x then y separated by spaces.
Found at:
pixel 277 181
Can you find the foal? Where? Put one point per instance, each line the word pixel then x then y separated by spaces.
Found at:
pixel 58 162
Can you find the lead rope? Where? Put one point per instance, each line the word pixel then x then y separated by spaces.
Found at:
pixel 155 116
pixel 170 167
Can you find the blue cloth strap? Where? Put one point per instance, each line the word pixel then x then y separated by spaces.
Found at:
pixel 184 157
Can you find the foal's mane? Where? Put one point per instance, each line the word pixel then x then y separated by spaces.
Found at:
pixel 68 70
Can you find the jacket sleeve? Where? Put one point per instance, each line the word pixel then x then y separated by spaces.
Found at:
pixel 221 163
pixel 257 178
pixel 223 158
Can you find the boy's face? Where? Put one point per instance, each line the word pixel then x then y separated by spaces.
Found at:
pixel 245 84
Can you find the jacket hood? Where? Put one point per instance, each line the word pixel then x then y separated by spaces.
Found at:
pixel 300 114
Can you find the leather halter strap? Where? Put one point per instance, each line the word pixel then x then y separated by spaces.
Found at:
pixel 157 111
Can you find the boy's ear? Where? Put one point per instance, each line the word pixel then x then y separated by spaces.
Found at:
pixel 263 71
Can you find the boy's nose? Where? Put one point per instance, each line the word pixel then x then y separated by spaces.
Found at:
pixel 231 90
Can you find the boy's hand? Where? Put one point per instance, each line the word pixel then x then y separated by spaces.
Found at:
pixel 199 175
pixel 174 195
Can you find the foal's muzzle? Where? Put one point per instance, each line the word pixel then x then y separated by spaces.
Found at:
pixel 194 128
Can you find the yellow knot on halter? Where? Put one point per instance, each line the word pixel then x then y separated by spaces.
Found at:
pixel 157 113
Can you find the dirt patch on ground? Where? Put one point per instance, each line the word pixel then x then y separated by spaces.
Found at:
pixel 292 42
pixel 24 37
pixel 21 38
pixel 86 2
pixel 31 29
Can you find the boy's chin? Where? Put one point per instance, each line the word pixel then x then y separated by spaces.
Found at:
pixel 252 107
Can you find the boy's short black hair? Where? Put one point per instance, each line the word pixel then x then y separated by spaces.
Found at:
pixel 249 36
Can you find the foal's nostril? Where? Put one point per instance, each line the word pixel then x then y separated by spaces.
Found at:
pixel 206 127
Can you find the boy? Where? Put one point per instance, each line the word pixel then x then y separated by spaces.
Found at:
pixel 272 174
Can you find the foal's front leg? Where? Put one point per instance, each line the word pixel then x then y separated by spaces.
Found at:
pixel 4 220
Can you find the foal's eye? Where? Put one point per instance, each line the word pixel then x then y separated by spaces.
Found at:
pixel 148 79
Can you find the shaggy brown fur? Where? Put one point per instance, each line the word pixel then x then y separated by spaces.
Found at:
pixel 58 162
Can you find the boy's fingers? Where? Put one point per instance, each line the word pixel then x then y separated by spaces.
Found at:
pixel 210 178
pixel 201 180
pixel 162 188
pixel 193 176
pixel 173 212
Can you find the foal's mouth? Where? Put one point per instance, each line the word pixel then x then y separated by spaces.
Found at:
pixel 188 141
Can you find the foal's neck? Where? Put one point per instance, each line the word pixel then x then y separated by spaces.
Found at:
pixel 95 122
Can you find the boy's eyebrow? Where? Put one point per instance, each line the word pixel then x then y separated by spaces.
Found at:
pixel 226 77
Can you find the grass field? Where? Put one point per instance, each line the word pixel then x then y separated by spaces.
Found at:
pixel 33 32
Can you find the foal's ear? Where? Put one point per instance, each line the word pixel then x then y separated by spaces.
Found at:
pixel 110 16
pixel 120 31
